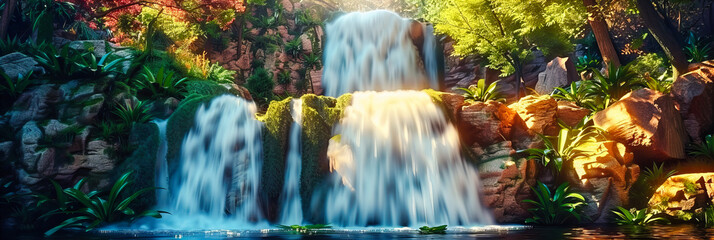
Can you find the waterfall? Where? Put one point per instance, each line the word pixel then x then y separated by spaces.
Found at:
pixel 291 210
pixel 219 169
pixel 161 178
pixel 396 161
pixel 374 51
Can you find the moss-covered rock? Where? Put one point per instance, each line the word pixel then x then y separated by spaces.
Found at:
pixel 275 146
pixel 145 137
pixel 320 113
pixel 205 88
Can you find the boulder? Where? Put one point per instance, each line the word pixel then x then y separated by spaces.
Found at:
pixel 90 109
pixel 559 72
pixel 571 114
pixel 98 47
pixel 6 149
pixel 30 138
pixel 487 123
pixel 506 182
pixel 35 104
pixel 54 127
pixel 694 94
pixel 603 174
pixel 648 122
pixel 685 192
pixel 97 159
pixel 18 63
pixel 538 112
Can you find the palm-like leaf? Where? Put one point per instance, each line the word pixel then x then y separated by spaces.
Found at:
pixel 705 149
pixel 554 207
pixel 618 82
pixel 636 217
pixel 481 93
pixel 132 113
pixel 162 83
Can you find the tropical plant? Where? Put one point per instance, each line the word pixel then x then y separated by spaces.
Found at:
pixel 647 183
pixel 586 63
pixel 284 77
pixel 576 93
pixel 10 45
pixel 45 13
pixel 90 67
pixel 662 84
pixel 221 75
pixel 697 49
pixel 481 93
pixel 312 61
pixel 268 43
pixel 109 130
pixel 705 149
pixel 260 85
pixel 95 210
pixel 433 230
pixel 636 217
pixel 568 139
pixel 60 63
pixel 555 208
pixel 293 47
pixel 132 113
pixel 299 228
pixel 13 89
pixel 161 84
pixel 618 82
pixel 706 217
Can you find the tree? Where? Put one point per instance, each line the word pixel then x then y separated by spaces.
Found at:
pixel 504 31
pixel 6 16
pixel 666 38
pixel 602 35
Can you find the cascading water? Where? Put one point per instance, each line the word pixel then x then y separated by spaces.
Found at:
pixel 397 162
pixel 161 178
pixel 291 210
pixel 374 51
pixel 219 169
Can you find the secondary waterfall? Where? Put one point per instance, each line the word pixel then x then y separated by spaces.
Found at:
pixel 219 170
pixel 374 51
pixel 161 178
pixel 396 162
pixel 291 210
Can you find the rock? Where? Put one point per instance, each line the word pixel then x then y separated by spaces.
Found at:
pixel 54 127
pixel 685 192
pixel 646 121
pixel 487 123
pixel 18 63
pixel 98 47
pixel 306 43
pixel 506 182
pixel 538 112
pixel 30 135
pixel 603 174
pixel 46 164
pixel 287 5
pixel 559 72
pixel 571 114
pixel 97 159
pixel 694 94
pixel 90 109
pixel 35 104
pixel 6 149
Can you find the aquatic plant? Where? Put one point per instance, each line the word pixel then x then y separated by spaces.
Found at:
pixel 704 149
pixel 481 93
pixel 633 216
pixel 96 210
pixel 555 208
pixel 13 89
pixel 433 230
pixel 162 83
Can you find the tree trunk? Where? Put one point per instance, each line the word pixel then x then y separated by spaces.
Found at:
pixel 666 38
pixel 602 35
pixel 237 27
pixel 6 17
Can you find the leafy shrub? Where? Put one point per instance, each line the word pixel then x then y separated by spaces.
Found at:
pixel 59 63
pixel 586 63
pixel 90 67
pixel 706 217
pixel 576 93
pixel 284 77
pixel 312 61
pixel 161 84
pixel 636 217
pixel 697 48
pixel 481 93
pixel 647 183
pixel 10 45
pixel 650 63
pixel 96 210
pixel 705 149
pixel 610 88
pixel 433 230
pixel 662 84
pixel 556 208
pixel 555 156
pixel 13 89
pixel 268 43
pixel 132 113
pixel 219 74
pixel 261 85
pixel 294 47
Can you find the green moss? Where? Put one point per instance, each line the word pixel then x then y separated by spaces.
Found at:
pixel 320 113
pixel 437 98
pixel 145 137
pixel 275 146
pixel 206 88
pixel 180 122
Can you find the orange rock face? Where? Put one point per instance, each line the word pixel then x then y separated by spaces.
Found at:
pixel 684 192
pixel 646 121
pixel 570 113
pixel 538 112
pixel 486 123
pixel 604 174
